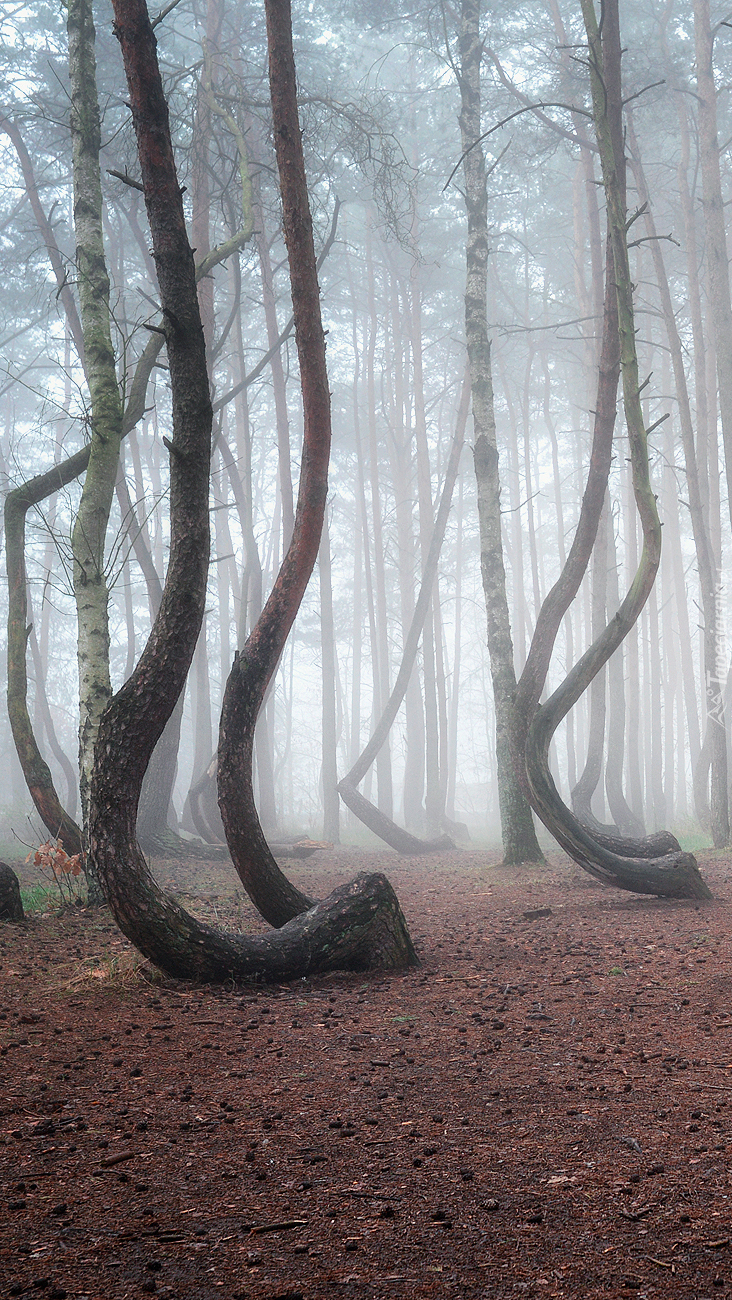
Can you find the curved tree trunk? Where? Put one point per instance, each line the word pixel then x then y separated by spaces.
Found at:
pixel 88 539
pixel 272 894
pixel 35 769
pixel 359 926
pixel 376 820
pixel 673 874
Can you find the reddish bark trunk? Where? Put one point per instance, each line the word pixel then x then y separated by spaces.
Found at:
pixel 253 667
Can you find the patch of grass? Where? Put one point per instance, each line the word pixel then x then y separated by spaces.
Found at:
pixel 692 838
pixel 114 974
pixel 39 897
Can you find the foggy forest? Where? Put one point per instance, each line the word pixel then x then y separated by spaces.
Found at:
pixel 380 105
pixel 366 456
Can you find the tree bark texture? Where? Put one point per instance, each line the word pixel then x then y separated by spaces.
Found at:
pixel 519 836
pixel 136 717
pixel 35 769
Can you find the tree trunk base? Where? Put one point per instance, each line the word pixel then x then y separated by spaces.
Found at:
pixel 628 846
pixel 387 830
pixel 359 927
pixel 167 844
pixel 670 874
pixel 675 875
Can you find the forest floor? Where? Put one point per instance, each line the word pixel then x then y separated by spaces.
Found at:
pixel 544 1108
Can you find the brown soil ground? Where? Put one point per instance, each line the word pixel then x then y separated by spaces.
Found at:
pixel 544 1108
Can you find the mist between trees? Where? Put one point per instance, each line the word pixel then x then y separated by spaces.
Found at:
pixel 390 137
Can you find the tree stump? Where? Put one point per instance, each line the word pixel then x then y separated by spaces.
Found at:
pixel 11 905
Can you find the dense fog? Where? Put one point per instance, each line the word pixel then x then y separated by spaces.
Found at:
pixel 380 103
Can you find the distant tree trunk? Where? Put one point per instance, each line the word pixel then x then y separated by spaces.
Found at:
pixel 519 836
pixel 279 391
pixel 154 829
pixel 589 780
pixel 377 821
pixel 720 299
pixel 385 797
pixel 43 713
pixel 434 801
pixel 329 769
pixel 400 450
pixel 623 817
pixel 45 227
pixel 714 666
pixel 454 704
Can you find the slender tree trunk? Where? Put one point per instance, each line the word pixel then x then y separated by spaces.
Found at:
pixel 44 712
pixel 383 762
pixel 90 528
pixel 273 895
pixel 714 222
pixel 329 768
pixel 519 837
pixel 623 817
pixel 278 375
pixel 590 778
pixel 454 705
pixel 434 802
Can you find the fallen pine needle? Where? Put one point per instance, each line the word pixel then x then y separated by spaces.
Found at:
pixel 278 1227
pixel 117 1160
